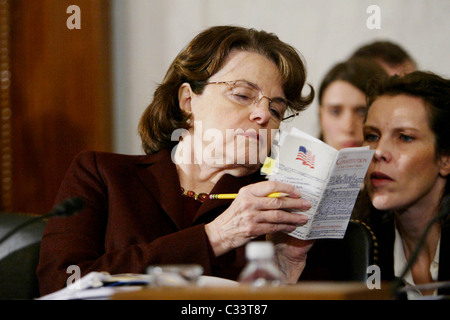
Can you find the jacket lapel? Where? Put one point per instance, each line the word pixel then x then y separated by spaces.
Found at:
pixel 159 175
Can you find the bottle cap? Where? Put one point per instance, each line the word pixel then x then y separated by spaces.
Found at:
pixel 259 250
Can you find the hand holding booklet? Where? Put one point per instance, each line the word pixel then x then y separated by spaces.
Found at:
pixel 328 178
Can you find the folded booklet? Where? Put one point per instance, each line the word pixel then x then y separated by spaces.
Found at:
pixel 328 178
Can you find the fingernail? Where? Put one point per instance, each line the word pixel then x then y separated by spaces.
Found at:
pixel 306 204
pixel 304 221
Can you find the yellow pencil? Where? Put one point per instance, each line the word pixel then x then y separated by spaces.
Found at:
pixel 234 195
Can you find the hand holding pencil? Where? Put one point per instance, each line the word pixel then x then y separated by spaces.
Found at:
pixel 258 209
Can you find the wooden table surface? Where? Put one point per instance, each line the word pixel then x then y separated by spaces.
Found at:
pixel 303 291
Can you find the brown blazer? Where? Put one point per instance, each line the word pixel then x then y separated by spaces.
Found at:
pixel 133 218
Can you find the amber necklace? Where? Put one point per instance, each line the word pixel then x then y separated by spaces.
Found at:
pixel 199 197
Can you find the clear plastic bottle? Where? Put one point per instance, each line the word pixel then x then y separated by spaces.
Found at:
pixel 261 269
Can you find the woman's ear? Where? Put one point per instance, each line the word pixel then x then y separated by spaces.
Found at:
pixel 445 165
pixel 185 97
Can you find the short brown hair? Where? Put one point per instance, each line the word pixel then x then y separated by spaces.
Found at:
pixel 203 57
pixel 355 71
pixel 389 52
pixel 435 92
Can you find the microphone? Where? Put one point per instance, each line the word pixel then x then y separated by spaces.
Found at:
pixel 443 212
pixel 68 207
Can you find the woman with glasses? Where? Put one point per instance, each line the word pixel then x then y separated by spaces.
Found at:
pixel 220 102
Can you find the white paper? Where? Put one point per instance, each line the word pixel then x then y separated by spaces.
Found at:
pixel 91 286
pixel 328 178
pixel 95 286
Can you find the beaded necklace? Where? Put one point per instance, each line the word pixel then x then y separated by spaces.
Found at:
pixel 199 197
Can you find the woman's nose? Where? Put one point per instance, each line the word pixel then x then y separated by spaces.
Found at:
pixel 383 152
pixel 352 124
pixel 260 111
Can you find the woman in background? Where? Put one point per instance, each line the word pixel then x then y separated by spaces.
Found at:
pixel 342 102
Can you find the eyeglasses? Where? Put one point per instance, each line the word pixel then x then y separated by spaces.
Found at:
pixel 246 93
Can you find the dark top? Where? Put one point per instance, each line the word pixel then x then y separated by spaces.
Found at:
pixel 326 261
pixel 134 216
pixel 383 226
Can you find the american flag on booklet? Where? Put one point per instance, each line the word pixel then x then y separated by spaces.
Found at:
pixel 306 157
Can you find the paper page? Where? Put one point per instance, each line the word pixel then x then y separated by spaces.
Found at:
pixel 339 197
pixel 304 162
pixel 329 179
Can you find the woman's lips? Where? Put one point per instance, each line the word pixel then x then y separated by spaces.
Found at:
pixel 251 134
pixel 379 179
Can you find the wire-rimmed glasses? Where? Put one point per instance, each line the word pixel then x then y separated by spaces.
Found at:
pixel 246 93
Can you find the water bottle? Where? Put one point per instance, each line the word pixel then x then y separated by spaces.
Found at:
pixel 261 269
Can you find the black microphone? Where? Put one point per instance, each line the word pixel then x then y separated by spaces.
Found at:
pixel 68 207
pixel 443 212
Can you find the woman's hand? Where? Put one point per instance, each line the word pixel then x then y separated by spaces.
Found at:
pixel 290 253
pixel 252 214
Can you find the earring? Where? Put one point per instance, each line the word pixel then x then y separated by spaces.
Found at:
pixel 189 120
